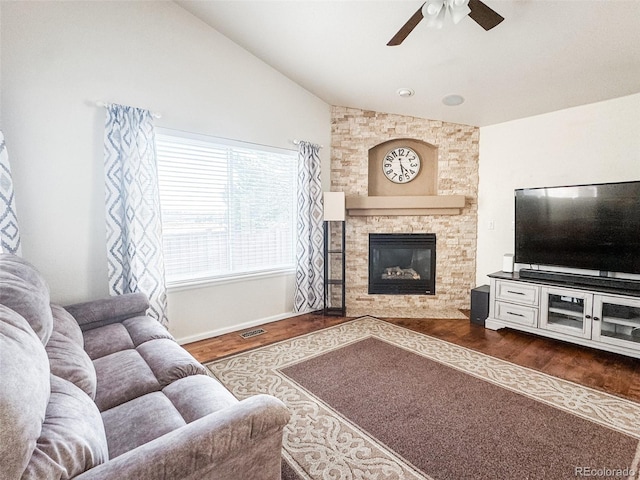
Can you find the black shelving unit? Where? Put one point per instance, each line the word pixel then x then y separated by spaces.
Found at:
pixel 334 268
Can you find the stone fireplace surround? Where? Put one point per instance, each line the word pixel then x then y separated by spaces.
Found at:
pixel 354 132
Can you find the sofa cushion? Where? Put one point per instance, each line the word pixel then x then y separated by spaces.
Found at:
pixel 24 376
pixel 143 329
pixel 98 313
pixel 102 341
pixel 169 361
pixel 23 290
pixel 115 337
pixel 72 439
pixel 197 396
pixel 65 324
pixel 139 421
pixel 68 360
pixel 122 376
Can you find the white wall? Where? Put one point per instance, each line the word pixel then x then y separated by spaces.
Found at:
pixel 59 57
pixel 588 144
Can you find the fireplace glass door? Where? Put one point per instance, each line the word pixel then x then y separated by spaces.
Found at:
pixel 402 264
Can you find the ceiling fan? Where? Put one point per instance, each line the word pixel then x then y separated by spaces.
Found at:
pixel 435 10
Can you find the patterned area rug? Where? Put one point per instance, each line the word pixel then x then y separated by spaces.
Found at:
pixel 326 438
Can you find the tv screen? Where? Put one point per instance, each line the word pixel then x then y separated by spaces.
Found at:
pixel 592 227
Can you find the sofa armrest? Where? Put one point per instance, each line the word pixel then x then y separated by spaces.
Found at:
pixel 240 442
pixel 98 313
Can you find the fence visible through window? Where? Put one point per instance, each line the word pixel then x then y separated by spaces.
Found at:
pixel 228 208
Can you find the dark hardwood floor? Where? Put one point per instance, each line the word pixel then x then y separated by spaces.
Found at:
pixel 609 372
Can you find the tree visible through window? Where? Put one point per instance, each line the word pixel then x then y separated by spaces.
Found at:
pixel 228 208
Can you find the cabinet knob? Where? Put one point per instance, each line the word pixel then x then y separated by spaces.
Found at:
pixel 596 319
pixel 587 316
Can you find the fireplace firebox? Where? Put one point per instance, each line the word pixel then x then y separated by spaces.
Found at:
pixel 402 264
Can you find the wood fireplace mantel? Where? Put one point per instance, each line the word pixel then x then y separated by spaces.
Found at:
pixel 405 205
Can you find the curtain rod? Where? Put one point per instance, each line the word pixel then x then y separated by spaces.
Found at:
pixel 107 104
pixel 297 142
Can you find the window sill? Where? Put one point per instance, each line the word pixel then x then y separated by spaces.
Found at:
pixel 227 279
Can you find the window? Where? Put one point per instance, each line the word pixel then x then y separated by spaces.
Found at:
pixel 228 208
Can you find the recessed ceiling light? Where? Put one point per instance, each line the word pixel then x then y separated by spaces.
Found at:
pixel 405 92
pixel 453 100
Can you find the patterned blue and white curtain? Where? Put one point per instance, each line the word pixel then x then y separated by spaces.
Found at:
pixel 309 293
pixel 134 231
pixel 9 232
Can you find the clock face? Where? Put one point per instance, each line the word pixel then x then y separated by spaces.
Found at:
pixel 401 165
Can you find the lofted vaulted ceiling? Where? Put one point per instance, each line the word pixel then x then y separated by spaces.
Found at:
pixel 545 55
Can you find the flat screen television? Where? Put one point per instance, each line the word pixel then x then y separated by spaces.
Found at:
pixel 591 227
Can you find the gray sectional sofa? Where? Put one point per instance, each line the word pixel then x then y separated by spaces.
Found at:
pixel 100 390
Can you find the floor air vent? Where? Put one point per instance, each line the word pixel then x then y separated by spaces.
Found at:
pixel 253 333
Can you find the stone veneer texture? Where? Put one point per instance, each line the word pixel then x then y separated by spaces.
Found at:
pixel 353 133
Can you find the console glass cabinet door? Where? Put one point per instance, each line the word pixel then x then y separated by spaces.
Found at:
pixel 616 320
pixel 566 311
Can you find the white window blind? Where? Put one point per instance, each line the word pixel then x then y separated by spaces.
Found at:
pixel 228 208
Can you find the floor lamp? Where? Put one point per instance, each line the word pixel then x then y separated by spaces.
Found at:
pixel 334 253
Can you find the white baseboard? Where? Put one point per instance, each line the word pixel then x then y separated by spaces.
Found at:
pixel 237 328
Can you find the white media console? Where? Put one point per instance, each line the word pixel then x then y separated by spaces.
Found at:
pixel 601 316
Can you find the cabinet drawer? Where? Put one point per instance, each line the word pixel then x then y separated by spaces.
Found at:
pixel 517 314
pixel 517 292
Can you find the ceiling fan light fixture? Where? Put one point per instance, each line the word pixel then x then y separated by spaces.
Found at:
pixel 440 19
pixel 432 8
pixel 435 11
pixel 458 9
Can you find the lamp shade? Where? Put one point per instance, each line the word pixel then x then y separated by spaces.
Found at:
pixel 334 206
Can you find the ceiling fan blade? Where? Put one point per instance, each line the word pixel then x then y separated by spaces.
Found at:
pixel 407 28
pixel 483 15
